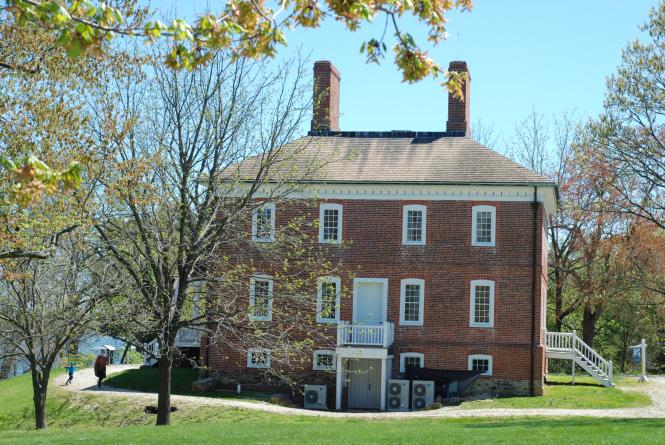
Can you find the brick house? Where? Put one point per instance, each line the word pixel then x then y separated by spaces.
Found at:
pixel 448 244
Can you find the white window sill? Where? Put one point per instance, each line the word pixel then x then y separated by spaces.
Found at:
pixel 476 244
pixel 327 320
pixel 410 323
pixel 413 243
pixel 481 325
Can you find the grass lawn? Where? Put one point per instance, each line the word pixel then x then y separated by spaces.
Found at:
pixel 147 379
pixel 94 418
pixel 248 428
pixel 560 393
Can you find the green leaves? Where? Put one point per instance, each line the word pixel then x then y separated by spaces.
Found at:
pixel 247 28
pixel 31 178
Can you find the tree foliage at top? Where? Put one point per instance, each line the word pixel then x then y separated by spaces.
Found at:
pixel 250 29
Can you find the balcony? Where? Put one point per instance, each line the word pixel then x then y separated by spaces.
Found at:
pixel 362 334
pixel 188 337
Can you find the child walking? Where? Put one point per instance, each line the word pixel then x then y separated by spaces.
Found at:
pixel 70 370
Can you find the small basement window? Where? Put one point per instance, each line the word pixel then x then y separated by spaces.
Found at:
pixel 481 362
pixel 324 360
pixel 258 358
pixel 411 360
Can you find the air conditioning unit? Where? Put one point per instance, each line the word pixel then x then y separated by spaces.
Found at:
pixel 315 397
pixel 398 395
pixel 422 394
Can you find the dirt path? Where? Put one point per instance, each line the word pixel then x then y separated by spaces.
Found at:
pixel 85 380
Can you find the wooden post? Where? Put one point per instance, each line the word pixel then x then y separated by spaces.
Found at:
pixel 339 383
pixel 573 371
pixel 643 359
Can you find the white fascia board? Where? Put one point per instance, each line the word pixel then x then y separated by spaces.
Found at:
pixel 546 193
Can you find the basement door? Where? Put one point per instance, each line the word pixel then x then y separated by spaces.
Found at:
pixel 364 384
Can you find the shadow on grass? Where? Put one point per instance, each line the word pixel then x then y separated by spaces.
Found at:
pixel 555 383
pixel 568 422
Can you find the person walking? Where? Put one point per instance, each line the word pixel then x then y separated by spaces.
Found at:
pixel 100 367
pixel 70 370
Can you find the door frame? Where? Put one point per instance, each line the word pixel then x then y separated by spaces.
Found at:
pixel 378 384
pixel 384 294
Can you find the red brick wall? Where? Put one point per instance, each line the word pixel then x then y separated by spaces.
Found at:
pixel 447 263
pixel 326 96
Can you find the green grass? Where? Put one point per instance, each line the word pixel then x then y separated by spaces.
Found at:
pixel 147 379
pixel 560 393
pixel 96 418
pixel 250 428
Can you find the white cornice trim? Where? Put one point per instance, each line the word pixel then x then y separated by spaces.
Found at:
pixel 421 192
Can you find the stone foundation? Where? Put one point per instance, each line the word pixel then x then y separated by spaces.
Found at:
pixel 489 388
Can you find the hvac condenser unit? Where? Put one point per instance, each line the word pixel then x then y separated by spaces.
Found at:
pixel 398 395
pixel 422 394
pixel 315 396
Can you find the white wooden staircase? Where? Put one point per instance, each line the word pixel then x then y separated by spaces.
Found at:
pixel 567 345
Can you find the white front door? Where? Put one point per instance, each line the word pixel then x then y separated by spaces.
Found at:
pixel 369 305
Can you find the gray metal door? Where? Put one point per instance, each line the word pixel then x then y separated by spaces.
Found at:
pixel 364 384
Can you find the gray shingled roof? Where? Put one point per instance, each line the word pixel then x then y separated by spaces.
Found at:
pixel 417 158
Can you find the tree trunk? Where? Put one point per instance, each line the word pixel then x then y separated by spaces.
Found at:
pixel 7 367
pixel 124 354
pixel 589 319
pixel 164 395
pixel 39 388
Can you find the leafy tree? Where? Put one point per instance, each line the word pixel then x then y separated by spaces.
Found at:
pixel 629 138
pixel 45 304
pixel 176 203
pixel 246 28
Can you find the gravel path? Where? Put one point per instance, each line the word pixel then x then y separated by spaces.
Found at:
pixel 85 380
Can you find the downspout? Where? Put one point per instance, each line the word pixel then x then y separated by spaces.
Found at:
pixel 534 278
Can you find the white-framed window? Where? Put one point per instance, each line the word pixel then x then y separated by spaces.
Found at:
pixel 327 299
pixel 411 302
pixel 411 359
pixel 414 224
pixel 482 304
pixel 481 362
pixel 258 358
pixel 260 297
pixel 263 223
pixel 324 360
pixel 483 226
pixel 330 223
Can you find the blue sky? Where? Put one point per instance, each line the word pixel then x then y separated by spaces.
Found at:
pixel 551 56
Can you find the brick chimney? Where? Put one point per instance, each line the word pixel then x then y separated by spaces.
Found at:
pixel 326 97
pixel 459 114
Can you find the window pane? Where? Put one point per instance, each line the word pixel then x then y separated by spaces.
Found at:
pixel 328 300
pixel 484 227
pixel 412 302
pixel 330 224
pixel 480 364
pixel 411 362
pixel 259 358
pixel 481 312
pixel 261 298
pixel 324 360
pixel 264 222
pixel 414 225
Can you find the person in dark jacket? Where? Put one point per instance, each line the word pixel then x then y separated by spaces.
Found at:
pixel 100 368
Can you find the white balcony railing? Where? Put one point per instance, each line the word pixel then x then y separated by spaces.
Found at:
pixel 188 335
pixel 361 334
